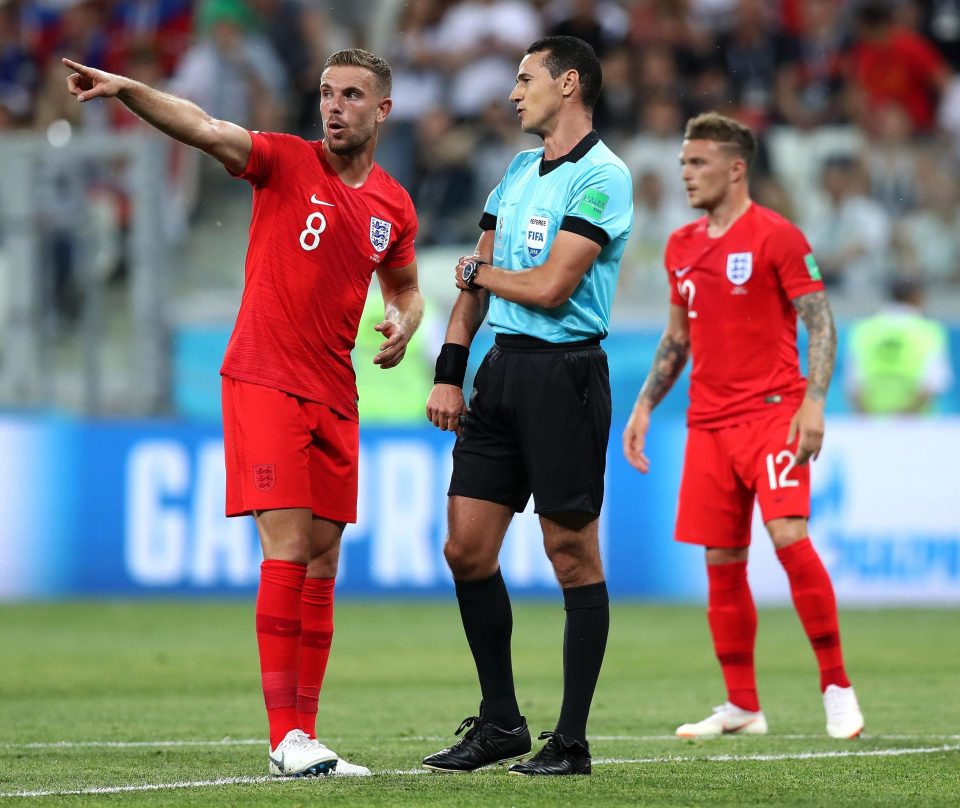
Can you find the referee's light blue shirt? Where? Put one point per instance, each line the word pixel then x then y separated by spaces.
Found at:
pixel 588 192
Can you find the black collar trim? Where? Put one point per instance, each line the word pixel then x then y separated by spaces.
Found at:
pixel 578 151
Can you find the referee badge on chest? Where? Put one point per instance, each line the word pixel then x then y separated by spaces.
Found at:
pixel 739 267
pixel 379 233
pixel 537 235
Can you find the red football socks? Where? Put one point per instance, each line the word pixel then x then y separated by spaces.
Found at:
pixel 278 639
pixel 316 617
pixel 733 624
pixel 815 603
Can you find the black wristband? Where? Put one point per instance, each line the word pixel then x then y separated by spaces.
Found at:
pixel 451 364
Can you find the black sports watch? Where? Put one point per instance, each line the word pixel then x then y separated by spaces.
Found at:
pixel 470 272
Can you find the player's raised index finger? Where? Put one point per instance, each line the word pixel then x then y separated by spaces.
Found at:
pixel 75 65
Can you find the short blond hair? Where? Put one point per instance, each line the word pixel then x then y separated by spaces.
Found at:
pixel 357 57
pixel 721 129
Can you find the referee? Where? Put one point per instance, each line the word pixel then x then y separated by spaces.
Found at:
pixel 544 274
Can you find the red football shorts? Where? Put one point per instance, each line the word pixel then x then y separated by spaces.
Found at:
pixel 725 469
pixel 283 451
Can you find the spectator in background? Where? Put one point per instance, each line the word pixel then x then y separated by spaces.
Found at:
pixel 230 72
pixel 850 233
pixel 770 192
pixel 443 186
pixel 498 140
pixel 890 158
pixel 939 22
pixel 667 26
pixel 51 27
pixel 482 41
pixel 654 148
pixel 891 64
pixel 300 34
pixel 927 240
pixel 418 80
pixel 658 72
pixel 750 53
pixel 656 214
pixel 898 360
pixel 601 23
pixel 18 71
pixel 163 27
pixel 809 85
pixel 615 115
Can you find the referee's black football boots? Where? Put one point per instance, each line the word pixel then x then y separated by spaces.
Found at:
pixel 560 755
pixel 484 744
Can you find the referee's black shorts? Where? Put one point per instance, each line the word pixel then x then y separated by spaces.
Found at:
pixel 538 422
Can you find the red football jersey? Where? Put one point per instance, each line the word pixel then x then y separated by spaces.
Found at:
pixel 737 290
pixel 314 245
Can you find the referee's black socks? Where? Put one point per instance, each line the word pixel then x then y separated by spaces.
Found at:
pixel 584 643
pixel 488 623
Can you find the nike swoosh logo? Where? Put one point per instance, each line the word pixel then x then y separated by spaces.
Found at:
pixel 739 727
pixel 682 272
pixel 321 202
pixel 277 763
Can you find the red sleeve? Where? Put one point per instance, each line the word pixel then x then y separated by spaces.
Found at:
pixel 675 297
pixel 403 253
pixel 931 63
pixel 262 158
pixel 793 261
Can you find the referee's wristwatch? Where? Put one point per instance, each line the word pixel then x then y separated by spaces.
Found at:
pixel 470 272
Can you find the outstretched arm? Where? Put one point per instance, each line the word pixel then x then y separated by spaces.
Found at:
pixel 402 312
pixel 808 421
pixel 668 363
pixel 180 119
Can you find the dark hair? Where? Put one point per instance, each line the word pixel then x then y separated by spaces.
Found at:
pixel 356 57
pixel 721 129
pixel 906 289
pixel 875 13
pixel 570 53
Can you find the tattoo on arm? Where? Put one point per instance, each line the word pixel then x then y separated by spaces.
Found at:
pixel 815 312
pixel 668 363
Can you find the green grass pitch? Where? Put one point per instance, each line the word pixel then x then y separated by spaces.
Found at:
pixel 108 699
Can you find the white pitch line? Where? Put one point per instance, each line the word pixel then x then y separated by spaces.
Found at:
pixel 847 753
pixel 226 781
pixel 134 744
pixel 220 781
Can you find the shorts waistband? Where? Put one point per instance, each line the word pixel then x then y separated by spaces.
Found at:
pixel 521 342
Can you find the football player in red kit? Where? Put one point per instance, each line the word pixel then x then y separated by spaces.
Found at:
pixel 739 276
pixel 325 218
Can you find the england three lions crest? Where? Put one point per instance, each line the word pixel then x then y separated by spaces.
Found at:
pixel 739 267
pixel 379 233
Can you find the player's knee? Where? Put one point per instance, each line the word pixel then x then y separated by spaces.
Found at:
pixel 786 531
pixel 463 560
pixel 573 562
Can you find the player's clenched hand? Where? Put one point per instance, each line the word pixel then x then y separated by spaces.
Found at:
pixel 445 405
pixel 808 423
pixel 635 438
pixel 391 351
pixel 88 82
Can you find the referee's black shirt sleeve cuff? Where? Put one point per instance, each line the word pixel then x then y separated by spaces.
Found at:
pixel 488 221
pixel 574 224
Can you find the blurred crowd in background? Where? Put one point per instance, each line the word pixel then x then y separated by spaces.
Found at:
pixel 856 104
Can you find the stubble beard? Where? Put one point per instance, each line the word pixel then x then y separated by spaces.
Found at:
pixel 350 146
